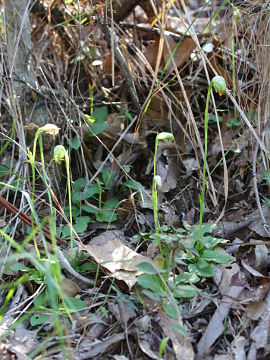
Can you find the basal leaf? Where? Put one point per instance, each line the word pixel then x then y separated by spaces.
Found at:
pixel 74 303
pixel 184 291
pixel 38 319
pixel 101 124
pixel 151 295
pixel 218 257
pixel 81 224
pixel 133 185
pixel 148 268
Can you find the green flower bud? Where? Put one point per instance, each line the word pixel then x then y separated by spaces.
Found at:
pixel 50 129
pixel 219 84
pixel 59 153
pixel 164 136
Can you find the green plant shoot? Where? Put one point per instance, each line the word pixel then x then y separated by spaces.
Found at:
pixel 219 84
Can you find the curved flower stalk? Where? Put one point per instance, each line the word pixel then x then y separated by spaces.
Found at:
pixel 219 84
pixel 60 154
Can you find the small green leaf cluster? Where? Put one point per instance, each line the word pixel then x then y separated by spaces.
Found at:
pixel 97 121
pixel 233 123
pixel 98 211
pixel 187 260
pixel 42 313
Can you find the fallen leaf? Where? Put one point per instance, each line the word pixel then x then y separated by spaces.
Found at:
pixel 182 53
pixel 98 348
pixel 215 327
pixel 181 345
pixel 257 225
pixel 69 287
pixel 224 275
pixel 260 333
pixel 115 258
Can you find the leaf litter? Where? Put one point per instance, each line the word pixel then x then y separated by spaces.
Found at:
pixel 119 313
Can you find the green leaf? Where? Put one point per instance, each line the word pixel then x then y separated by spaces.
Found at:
pixel 79 184
pixel 187 278
pixel 148 268
pixel 74 303
pixel 87 266
pixel 212 118
pixel 75 143
pixel 180 330
pixel 104 311
pixel 35 276
pixel 267 176
pixel 106 216
pixel 162 346
pixel 101 113
pixel 205 229
pixel 233 123
pixel 65 231
pixel 41 299
pixel 38 319
pixel 266 202
pixel 108 178
pixel 133 185
pixel 81 224
pixel 85 195
pixel 216 256
pixel 170 310
pixel 151 295
pixel 202 268
pixel 151 282
pixel 19 267
pixel 4 169
pixel 75 211
pixel 184 291
pixel 101 124
pixel 89 209
pixel 210 242
pixel 111 204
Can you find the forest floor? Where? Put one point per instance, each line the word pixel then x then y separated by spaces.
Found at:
pixel 134 224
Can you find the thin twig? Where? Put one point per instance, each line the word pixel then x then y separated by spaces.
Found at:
pixel 122 62
pixel 254 170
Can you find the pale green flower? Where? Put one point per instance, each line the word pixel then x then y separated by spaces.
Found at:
pixel 219 84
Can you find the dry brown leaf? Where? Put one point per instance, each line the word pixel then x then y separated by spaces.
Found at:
pixel 257 226
pixel 182 346
pixel 223 276
pixel 115 258
pixel 220 70
pixel 255 310
pixel 69 287
pixel 181 54
pixel 122 311
pixel 260 334
pixel 238 347
pixel 98 348
pixel 215 327
pixel 146 349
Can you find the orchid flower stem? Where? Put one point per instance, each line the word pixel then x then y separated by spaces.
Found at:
pixel 206 118
pixel 220 87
